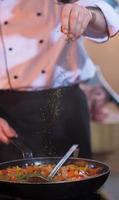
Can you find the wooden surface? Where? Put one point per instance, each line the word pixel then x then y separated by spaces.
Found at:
pixel 104 137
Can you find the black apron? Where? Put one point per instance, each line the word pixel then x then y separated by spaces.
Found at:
pixel 49 121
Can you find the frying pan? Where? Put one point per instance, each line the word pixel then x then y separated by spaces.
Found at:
pixel 57 190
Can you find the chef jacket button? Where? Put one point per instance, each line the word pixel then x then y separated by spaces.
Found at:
pixel 5 22
pixel 43 71
pixel 10 49
pixel 39 14
pixel 15 77
pixel 41 41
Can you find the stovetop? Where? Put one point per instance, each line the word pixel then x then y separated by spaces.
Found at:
pixel 94 196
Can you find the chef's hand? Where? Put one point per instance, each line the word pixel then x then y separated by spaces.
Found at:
pixel 75 20
pixel 6 132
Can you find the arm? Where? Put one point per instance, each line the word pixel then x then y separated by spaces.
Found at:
pixel 95 19
pixel 97 25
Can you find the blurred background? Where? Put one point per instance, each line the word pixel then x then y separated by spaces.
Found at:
pixel 103 98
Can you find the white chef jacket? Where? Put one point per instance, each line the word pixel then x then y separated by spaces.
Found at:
pixel 35 54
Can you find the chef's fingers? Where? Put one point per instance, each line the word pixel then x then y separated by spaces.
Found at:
pixel 79 20
pixel 3 137
pixel 82 22
pixel 73 23
pixel 6 132
pixel 75 20
pixel 65 18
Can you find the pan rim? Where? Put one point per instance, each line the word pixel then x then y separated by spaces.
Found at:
pixel 106 173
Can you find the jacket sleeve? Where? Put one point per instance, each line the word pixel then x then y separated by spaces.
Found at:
pixel 112 18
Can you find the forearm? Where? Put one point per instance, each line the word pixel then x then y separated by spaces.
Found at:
pixel 97 26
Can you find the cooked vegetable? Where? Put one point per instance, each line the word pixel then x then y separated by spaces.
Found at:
pixel 68 172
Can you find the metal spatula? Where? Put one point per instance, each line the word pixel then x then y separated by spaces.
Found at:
pixel 62 161
pixel 27 153
pixel 57 167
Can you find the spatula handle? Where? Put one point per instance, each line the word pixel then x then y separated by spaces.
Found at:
pixel 63 160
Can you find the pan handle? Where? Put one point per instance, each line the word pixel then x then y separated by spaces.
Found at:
pixel 19 144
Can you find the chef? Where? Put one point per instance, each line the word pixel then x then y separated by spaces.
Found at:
pixel 42 61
